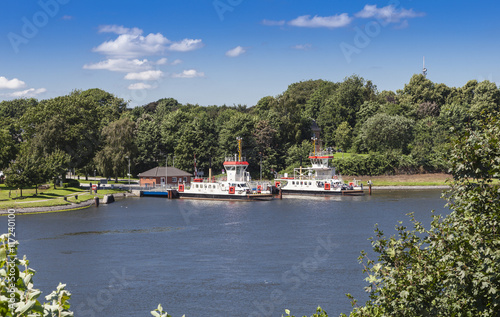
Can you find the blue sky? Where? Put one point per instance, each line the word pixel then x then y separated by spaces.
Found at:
pixel 238 51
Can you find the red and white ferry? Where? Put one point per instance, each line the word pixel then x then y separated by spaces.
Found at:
pixel 319 179
pixel 235 187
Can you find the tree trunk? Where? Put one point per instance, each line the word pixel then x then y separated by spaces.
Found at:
pixel 21 191
pixel 36 189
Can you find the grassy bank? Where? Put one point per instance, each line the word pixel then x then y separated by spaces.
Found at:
pixel 433 179
pixel 47 198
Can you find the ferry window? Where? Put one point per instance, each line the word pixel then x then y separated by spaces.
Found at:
pixel 309 183
pixel 301 183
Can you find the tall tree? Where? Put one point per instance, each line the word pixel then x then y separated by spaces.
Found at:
pixel 383 132
pixel 69 123
pixel 7 148
pixel 28 169
pixel 119 144
pixel 342 137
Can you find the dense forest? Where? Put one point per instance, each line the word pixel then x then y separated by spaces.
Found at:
pixel 92 131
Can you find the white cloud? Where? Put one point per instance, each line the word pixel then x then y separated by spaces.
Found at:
pixel 303 47
pixel 67 17
pixel 237 51
pixel 140 86
pixel 388 13
pixel 162 61
pixel 31 92
pixel 147 75
pixel 119 29
pixel 125 65
pixel 190 73
pixel 273 23
pixel 186 45
pixel 132 45
pixel 334 21
pixel 11 84
pixel 176 62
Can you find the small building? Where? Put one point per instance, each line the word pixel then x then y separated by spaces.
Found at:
pixel 156 177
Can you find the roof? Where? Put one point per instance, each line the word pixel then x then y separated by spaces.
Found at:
pixel 160 171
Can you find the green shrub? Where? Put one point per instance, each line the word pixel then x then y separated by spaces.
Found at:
pixel 73 183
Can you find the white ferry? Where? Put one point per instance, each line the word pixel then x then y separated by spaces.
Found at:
pixel 235 187
pixel 319 179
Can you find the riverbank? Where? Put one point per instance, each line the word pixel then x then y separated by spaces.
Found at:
pixel 403 181
pixel 60 208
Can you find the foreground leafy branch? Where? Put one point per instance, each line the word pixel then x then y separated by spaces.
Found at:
pixel 18 296
pixel 452 269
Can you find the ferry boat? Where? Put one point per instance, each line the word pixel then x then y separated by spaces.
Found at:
pixel 235 187
pixel 319 179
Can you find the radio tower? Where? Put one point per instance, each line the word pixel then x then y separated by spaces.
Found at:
pixel 424 70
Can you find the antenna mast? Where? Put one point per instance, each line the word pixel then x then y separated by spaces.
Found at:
pixel 424 70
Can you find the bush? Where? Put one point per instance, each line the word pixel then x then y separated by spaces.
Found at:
pixel 18 297
pixel 452 269
pixel 73 183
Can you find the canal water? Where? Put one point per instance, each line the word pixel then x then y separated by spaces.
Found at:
pixel 211 258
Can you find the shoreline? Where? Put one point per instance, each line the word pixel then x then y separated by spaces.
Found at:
pixel 41 210
pixel 90 202
pixel 409 187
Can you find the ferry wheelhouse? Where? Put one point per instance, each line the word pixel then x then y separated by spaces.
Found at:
pixel 318 179
pixel 235 187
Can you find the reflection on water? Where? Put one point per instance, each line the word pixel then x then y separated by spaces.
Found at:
pixel 150 230
pixel 212 258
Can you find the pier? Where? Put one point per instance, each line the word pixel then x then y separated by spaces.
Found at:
pixel 165 193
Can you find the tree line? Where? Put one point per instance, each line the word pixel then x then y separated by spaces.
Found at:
pixel 93 131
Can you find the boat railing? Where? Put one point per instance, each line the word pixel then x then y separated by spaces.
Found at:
pixel 234 158
pixel 322 153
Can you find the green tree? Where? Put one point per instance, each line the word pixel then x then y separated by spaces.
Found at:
pixel 28 169
pixel 486 100
pixel 69 123
pixel 16 108
pixel 384 132
pixel 299 153
pixel 342 137
pixel 453 268
pixel 420 89
pixel 7 148
pixel 119 144
pixel 55 165
pixel 343 105
pixel 150 145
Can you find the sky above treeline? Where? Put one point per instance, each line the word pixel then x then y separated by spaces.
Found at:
pixel 234 52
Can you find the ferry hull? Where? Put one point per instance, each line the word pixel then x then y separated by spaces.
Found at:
pixel 347 192
pixel 246 197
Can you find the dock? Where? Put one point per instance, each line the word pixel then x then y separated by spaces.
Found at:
pixel 164 193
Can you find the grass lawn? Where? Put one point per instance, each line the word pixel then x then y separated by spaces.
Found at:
pixel 432 179
pixel 340 155
pixel 46 198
